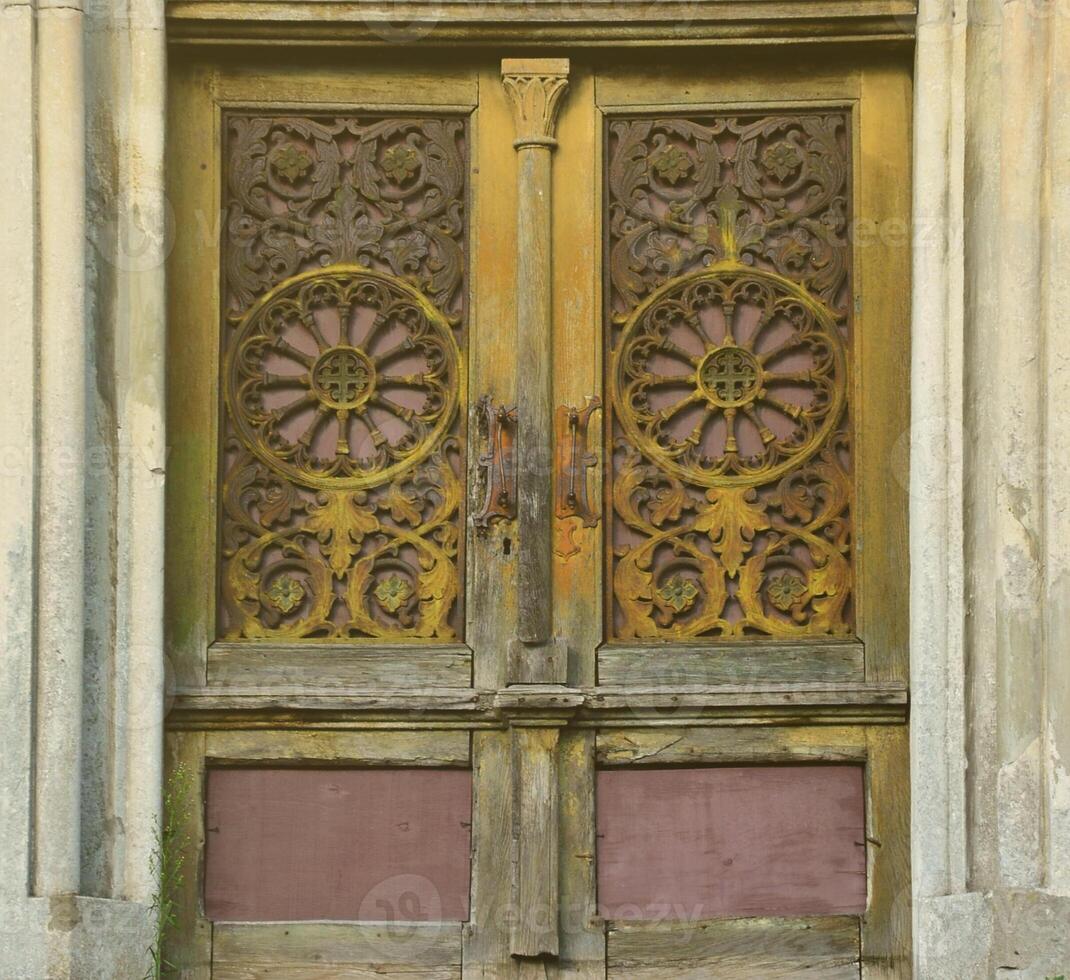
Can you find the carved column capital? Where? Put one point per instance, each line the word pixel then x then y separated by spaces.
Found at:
pixel 535 87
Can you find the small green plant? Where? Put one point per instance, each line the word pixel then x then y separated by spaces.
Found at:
pixel 168 857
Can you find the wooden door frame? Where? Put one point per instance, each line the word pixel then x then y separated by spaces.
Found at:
pixel 572 727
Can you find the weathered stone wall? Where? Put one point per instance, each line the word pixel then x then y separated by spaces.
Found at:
pixel 990 525
pixel 81 253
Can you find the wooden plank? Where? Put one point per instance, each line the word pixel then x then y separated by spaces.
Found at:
pixel 731 841
pixel 260 706
pixel 193 184
pixel 735 949
pixel 486 936
pixel 189 945
pixel 534 930
pixel 583 940
pixel 665 665
pixel 380 748
pixel 886 928
pixel 492 556
pixel 354 844
pixel 337 951
pixel 870 702
pixel 881 400
pixel 382 82
pixel 577 326
pixel 722 746
pixel 326 665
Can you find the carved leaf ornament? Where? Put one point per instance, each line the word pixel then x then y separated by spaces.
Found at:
pixel 342 378
pixel 728 374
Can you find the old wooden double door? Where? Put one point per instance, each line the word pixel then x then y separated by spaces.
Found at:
pixel 537 563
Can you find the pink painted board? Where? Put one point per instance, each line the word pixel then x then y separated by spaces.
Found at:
pixel 731 842
pixel 348 844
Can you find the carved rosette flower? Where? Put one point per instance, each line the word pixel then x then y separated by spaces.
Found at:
pixel 781 159
pixel 679 593
pixel 400 163
pixel 672 163
pixel 286 594
pixel 785 590
pixel 393 592
pixel 291 162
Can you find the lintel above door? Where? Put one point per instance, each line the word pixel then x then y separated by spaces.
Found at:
pixel 535 25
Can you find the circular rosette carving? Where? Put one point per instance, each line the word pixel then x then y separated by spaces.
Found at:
pixel 342 378
pixel 730 376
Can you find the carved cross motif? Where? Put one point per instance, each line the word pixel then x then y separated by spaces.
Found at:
pixel 730 374
pixel 343 375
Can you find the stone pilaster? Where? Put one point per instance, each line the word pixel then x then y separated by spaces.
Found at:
pixel 81 677
pixel 991 432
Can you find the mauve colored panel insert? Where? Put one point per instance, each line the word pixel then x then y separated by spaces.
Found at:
pixel 731 842
pixel 350 844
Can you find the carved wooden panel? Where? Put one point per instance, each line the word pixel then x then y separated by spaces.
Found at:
pixel 728 325
pixel 343 379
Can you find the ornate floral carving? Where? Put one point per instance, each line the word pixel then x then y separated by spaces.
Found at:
pixel 678 593
pixel 768 189
pixel 309 192
pixel 728 323
pixel 342 494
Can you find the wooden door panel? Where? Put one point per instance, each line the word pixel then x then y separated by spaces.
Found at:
pixel 320 327
pixel 687 843
pixel 346 844
pixel 750 537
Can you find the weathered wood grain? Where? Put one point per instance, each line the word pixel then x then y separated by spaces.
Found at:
pixel 380 748
pixel 394 666
pixel 189 945
pixel 577 327
pixel 534 930
pixel 535 88
pixel 583 940
pixel 886 929
pixel 266 707
pixel 722 746
pixel 666 665
pixel 783 703
pixel 736 949
pixel 486 935
pixel 632 22
pixel 491 607
pixel 337 951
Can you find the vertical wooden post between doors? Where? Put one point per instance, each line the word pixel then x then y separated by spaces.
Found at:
pixel 535 87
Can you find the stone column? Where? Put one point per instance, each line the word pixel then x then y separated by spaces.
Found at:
pixel 990 712
pixel 82 530
pixel 18 453
pixel 61 452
